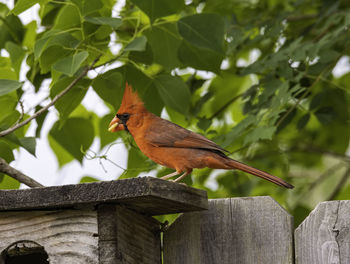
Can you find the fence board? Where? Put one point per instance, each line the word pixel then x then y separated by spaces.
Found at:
pixel 324 236
pixel 236 230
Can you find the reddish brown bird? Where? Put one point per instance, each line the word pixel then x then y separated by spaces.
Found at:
pixel 173 146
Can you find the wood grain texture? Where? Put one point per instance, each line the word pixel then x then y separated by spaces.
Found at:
pixel 127 237
pixel 237 230
pixel 148 195
pixel 67 236
pixel 324 236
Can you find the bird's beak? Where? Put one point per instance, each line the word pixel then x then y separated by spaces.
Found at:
pixel 115 125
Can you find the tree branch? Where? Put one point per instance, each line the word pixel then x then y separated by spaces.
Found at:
pixel 54 100
pixel 16 174
pixel 221 109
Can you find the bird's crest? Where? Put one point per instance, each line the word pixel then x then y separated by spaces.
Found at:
pixel 130 99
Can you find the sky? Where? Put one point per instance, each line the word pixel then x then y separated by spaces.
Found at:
pixel 44 167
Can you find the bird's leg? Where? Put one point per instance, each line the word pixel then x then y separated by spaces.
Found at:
pixel 170 175
pixel 182 176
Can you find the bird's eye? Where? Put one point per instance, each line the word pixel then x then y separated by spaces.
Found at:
pixel 124 116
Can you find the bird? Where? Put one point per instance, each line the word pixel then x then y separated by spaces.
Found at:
pixel 173 146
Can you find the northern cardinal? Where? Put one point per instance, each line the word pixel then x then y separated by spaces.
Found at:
pixel 173 146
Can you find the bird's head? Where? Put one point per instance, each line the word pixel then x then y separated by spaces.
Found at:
pixel 129 112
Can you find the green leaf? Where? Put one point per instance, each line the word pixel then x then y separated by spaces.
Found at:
pixel 106 137
pixel 224 89
pixel 40 122
pixel 145 57
pixel 203 31
pixel 137 163
pixel 30 35
pixel 11 28
pixel 159 8
pixel 16 55
pixel 68 17
pixel 259 133
pixel 317 100
pixel 204 123
pixel 8 104
pixel 325 115
pixel 50 56
pixel 73 98
pixel 6 151
pixel 153 101
pixel 109 87
pixel 54 38
pixel 174 92
pixel 23 5
pixel 138 44
pixel 135 77
pixel 303 121
pixel 89 6
pixel 6 71
pixel 9 119
pixel 76 135
pixel 7 86
pixel 164 41
pixel 29 144
pixel 62 155
pixel 9 183
pixel 71 64
pixel 286 119
pixel 86 179
pixel 199 58
pixel 113 22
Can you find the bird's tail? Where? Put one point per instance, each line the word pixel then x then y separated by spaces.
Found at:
pixel 243 167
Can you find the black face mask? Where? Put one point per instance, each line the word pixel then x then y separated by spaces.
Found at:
pixel 124 118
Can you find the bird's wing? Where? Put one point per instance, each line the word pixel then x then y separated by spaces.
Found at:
pixel 167 134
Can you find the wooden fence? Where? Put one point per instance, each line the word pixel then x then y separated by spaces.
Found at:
pixel 258 230
pixel 112 223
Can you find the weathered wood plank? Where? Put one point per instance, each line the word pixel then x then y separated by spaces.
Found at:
pixel 67 236
pixel 324 236
pixel 127 237
pixel 148 195
pixel 236 230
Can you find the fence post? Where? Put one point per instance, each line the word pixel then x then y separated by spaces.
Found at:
pixel 324 236
pixel 234 230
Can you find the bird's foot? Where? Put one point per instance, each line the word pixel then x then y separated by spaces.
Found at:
pixel 182 183
pixel 169 175
pixel 182 176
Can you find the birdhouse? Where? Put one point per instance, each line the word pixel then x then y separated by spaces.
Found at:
pixel 102 222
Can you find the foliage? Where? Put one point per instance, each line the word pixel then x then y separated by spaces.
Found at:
pixel 254 76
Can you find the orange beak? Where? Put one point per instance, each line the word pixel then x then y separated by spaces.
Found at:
pixel 115 125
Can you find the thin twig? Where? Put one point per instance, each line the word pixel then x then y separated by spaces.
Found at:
pixel 16 174
pixel 22 112
pixel 54 100
pixel 221 109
